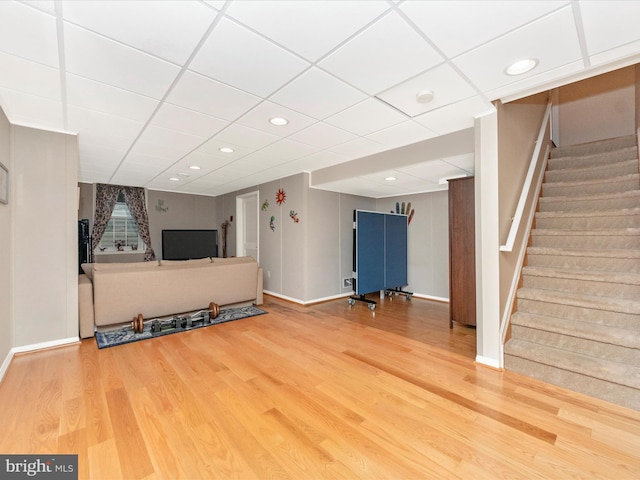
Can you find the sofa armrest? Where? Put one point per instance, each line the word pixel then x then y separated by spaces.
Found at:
pixel 85 306
pixel 259 297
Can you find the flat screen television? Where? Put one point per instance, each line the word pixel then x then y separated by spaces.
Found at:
pixel 189 244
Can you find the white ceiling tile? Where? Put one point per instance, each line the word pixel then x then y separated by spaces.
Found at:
pixel 445 83
pixel 457 116
pixel 315 161
pixel 255 64
pixel 279 152
pixel 464 162
pixel 609 24
pixel 322 135
pixel 167 29
pixel 485 66
pixel 628 51
pixel 103 60
pixel 367 117
pixel 89 94
pixel 385 54
pixel 246 137
pixel 434 170
pixel 28 33
pixel 30 110
pixel 107 156
pixel 48 6
pixel 212 149
pixel 213 98
pixel 317 94
pixel 360 147
pixel 29 77
pixel 166 143
pixel 258 118
pixel 101 128
pixel 404 133
pixel 458 26
pixel 187 121
pixel 310 28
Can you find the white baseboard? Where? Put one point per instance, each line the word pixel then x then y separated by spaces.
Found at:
pixel 345 295
pixel 32 348
pixel 490 362
pixel 431 297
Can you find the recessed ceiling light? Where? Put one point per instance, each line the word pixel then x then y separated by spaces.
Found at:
pixel 521 66
pixel 194 167
pixel 226 149
pixel 278 121
pixel 424 96
pixel 174 179
pixel 390 179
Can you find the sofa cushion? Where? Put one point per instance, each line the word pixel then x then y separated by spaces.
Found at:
pixel 232 260
pixel 124 267
pixel 195 261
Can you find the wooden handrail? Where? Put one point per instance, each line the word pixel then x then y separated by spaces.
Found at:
pixel 524 195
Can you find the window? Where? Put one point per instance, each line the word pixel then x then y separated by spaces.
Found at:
pixel 121 233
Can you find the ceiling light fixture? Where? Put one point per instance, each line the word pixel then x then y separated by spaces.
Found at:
pixel 424 96
pixel 174 179
pixel 226 149
pixel 521 66
pixel 390 179
pixel 194 167
pixel 278 121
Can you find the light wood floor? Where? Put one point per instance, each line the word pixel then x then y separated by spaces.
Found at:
pixel 328 391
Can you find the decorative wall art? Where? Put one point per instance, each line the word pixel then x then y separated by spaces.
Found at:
pixel 281 197
pixel 160 207
pixel 404 210
pixel 272 224
pixel 294 216
pixel 265 206
pixel 4 184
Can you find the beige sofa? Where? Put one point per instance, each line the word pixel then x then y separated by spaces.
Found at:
pixel 113 293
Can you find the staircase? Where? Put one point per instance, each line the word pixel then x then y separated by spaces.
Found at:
pixel 577 323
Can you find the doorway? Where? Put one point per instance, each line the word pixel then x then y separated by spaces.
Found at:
pixel 247 238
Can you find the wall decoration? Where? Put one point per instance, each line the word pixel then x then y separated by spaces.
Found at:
pixel 294 216
pixel 265 206
pixel 281 197
pixel 225 227
pixel 272 225
pixel 404 210
pixel 4 184
pixel 160 207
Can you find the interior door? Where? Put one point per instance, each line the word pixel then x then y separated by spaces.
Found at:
pixel 247 239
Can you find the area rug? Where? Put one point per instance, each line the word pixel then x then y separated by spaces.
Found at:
pixel 120 336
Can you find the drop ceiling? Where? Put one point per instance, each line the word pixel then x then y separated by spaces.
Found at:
pixel 153 88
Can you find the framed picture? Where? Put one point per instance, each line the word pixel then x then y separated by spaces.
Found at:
pixel 4 184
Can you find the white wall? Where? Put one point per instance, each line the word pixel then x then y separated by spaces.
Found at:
pixel 597 108
pixel 45 202
pixel 6 248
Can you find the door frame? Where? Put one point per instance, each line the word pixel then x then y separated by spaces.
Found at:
pixel 241 226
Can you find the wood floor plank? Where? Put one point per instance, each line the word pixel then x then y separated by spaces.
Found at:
pixel 329 391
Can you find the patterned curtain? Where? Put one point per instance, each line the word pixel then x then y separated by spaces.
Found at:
pixel 106 198
pixel 134 196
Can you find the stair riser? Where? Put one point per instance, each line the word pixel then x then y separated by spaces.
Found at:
pixel 607 351
pixel 585 263
pixel 585 287
pixel 599 317
pixel 573 175
pixel 611 392
pixel 586 241
pixel 557 190
pixel 588 223
pixel 623 147
pixel 553 204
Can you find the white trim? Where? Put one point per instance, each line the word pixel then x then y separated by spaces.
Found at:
pixel 430 297
pixel 44 345
pixel 345 295
pixel 34 347
pixel 5 364
pixel 526 187
pixel 491 362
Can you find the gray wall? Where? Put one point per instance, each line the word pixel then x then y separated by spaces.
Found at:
pixel 6 249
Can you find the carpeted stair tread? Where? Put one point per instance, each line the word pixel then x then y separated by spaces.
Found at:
pixel 599 253
pixel 622 374
pixel 618 212
pixel 598 196
pixel 609 304
pixel 609 232
pixel 624 278
pixel 607 181
pixel 601 169
pixel 596 147
pixel 580 329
